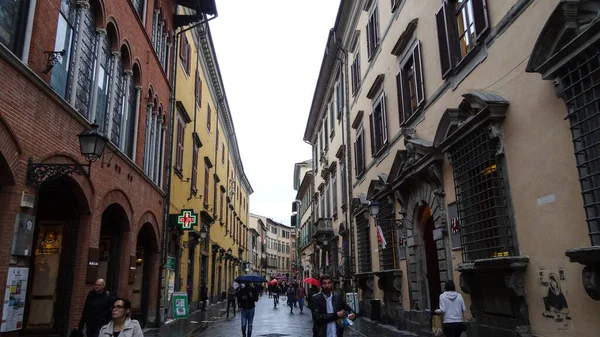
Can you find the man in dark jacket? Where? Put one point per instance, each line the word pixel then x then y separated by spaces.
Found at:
pixel 203 295
pixel 97 309
pixel 329 311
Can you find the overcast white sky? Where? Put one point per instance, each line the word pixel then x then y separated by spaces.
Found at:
pixel 269 53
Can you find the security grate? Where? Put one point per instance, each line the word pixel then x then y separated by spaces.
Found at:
pixel 580 79
pixel 387 258
pixel 481 199
pixel 364 244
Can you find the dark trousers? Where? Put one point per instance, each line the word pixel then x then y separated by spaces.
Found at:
pixel 92 331
pixel 231 303
pixel 453 329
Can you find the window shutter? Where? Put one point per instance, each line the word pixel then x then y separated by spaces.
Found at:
pixel 399 94
pixel 480 17
pixel 383 121
pixel 418 74
pixel 369 42
pixel 195 169
pixel 376 27
pixel 372 132
pixel 181 140
pixel 443 41
pixel 179 152
pixel 356 157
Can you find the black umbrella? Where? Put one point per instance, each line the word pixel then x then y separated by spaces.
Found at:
pixel 251 279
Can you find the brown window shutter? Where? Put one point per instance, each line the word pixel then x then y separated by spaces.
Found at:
pixel 418 74
pixel 92 268
pixel 372 128
pixel 384 132
pixel 443 40
pixel 400 97
pixel 480 17
pixel 132 269
pixel 195 169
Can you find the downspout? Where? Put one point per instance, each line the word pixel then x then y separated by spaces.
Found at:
pixel 167 186
pixel 195 115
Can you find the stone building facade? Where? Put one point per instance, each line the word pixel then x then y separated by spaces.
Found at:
pixel 467 153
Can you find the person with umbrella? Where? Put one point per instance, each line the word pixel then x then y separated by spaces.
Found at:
pixel 246 303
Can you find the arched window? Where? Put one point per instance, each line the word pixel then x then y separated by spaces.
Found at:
pixel 131 113
pixel 61 80
pixel 139 9
pixel 117 107
pixel 100 84
pixel 87 62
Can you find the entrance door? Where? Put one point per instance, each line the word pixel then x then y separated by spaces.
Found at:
pixel 114 220
pixel 139 299
pixel 433 268
pixel 53 260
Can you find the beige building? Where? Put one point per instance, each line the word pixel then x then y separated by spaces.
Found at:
pixel 258 228
pixel 465 150
pixel 302 217
pixel 277 247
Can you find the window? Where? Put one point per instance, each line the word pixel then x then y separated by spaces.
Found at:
pixel 64 40
pixel 339 94
pixel 129 122
pixel 334 191
pixel 373 31
pixel 355 71
pixel 359 152
pixel 206 181
pixel 460 25
pixel 101 79
pixel 198 92
pixel 222 153
pixel 180 141
pixel 195 170
pixel 363 240
pixel 325 135
pixel 13 17
pixel 343 179
pixel 378 121
pixel 184 54
pixel 139 8
pixel 486 229
pixel 332 115
pixel 327 200
pixel 395 4
pixel 387 255
pixel 409 85
pixel 208 117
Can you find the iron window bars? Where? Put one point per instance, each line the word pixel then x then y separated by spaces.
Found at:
pixel 364 244
pixel 387 256
pixel 481 197
pixel 580 80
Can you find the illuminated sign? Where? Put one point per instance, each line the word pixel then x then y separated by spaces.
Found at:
pixel 187 219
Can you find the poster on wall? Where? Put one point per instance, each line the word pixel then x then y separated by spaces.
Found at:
pixel 14 299
pixel 553 285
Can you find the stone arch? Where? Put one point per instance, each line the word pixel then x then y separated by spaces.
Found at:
pixel 149 218
pixel 98 9
pixel 119 197
pixel 137 72
pixel 9 148
pixel 112 33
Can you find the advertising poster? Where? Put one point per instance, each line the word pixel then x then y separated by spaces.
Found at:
pixel 180 305
pixel 14 299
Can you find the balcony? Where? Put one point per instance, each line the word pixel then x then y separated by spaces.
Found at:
pixel 323 231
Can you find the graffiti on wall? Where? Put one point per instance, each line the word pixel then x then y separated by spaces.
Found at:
pixel 554 293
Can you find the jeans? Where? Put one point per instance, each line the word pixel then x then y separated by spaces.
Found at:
pixel 290 302
pixel 247 319
pixel 301 303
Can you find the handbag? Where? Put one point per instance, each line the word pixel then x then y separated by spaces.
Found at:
pixel 437 325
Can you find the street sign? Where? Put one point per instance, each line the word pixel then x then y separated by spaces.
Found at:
pixel 179 301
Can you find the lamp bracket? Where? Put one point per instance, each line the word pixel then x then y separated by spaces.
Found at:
pixel 51 58
pixel 39 173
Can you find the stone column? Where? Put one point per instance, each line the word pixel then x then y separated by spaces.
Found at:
pixel 138 95
pixel 124 119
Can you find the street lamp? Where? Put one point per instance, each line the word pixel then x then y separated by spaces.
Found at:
pixel 374 211
pixel 91 142
pixel 374 208
pixel 229 251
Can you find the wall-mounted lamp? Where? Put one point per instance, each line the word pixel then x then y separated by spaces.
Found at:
pixel 374 211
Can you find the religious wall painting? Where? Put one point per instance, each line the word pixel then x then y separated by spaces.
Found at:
pixel 554 294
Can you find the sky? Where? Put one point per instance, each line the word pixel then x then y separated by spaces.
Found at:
pixel 270 53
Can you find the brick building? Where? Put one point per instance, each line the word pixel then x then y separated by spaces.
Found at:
pixel 114 72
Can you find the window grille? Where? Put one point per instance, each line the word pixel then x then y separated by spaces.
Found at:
pixel 580 79
pixel 481 197
pixel 364 244
pixel 387 258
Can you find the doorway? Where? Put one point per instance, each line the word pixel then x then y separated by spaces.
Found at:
pixel 53 259
pixel 114 220
pixel 432 267
pixel 145 249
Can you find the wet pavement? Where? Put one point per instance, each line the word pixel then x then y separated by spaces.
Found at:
pixel 271 322
pixel 196 323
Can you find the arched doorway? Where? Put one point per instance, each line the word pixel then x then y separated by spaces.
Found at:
pixel 60 203
pixel 114 225
pixel 429 258
pixel 145 249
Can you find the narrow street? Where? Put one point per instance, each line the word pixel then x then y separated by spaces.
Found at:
pixel 278 322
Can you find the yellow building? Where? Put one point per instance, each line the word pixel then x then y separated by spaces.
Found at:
pixel 209 189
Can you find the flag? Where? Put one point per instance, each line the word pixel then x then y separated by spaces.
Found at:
pixel 381 238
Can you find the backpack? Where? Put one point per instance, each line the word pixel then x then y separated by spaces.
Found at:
pixel 291 291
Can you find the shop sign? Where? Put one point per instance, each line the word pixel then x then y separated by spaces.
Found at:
pixel 180 305
pixel 185 220
pixel 171 262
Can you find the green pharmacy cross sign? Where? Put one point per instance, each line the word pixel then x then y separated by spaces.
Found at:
pixel 187 219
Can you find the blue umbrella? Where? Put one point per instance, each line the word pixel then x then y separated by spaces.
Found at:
pixel 251 278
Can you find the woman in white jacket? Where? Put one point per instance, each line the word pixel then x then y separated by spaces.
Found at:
pixel 453 308
pixel 121 325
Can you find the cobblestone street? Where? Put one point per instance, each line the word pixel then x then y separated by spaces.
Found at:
pixel 271 322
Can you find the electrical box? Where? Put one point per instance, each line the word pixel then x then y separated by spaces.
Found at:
pixel 22 244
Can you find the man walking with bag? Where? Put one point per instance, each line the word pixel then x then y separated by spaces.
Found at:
pixel 329 311
pixel 97 309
